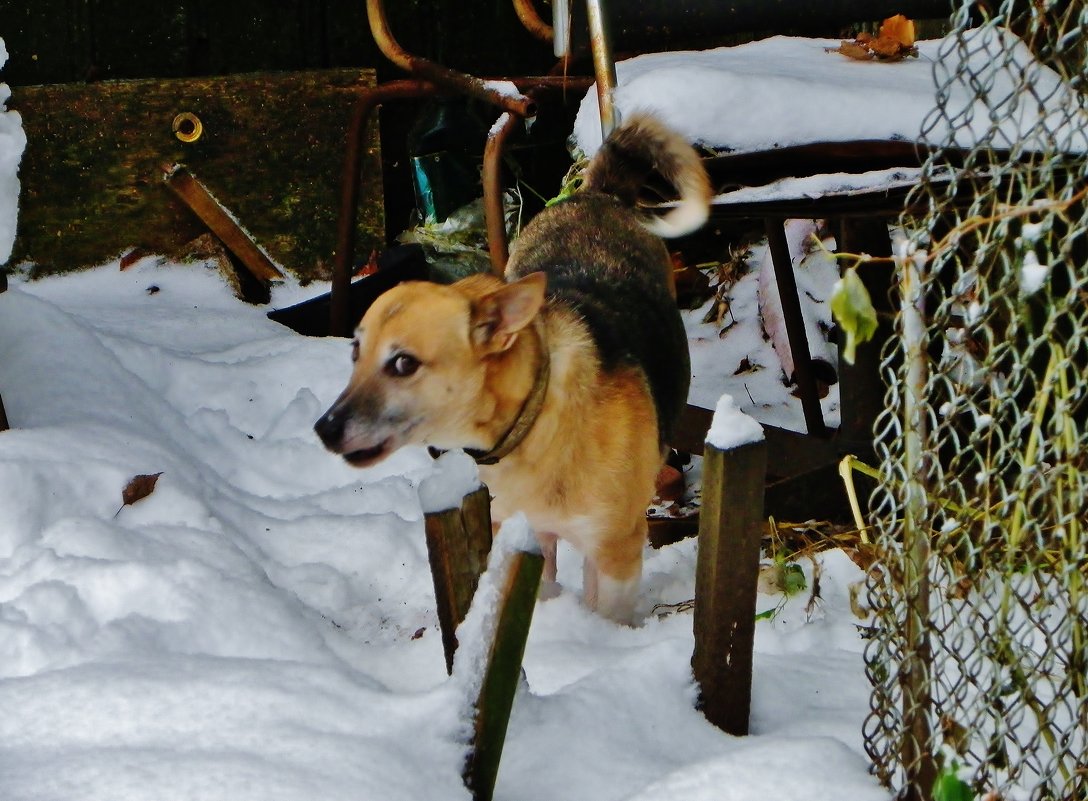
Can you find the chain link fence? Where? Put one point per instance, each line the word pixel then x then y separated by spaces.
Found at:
pixel 979 659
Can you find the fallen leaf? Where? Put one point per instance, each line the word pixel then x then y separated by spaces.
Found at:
pixel 854 50
pixel 899 29
pixel 894 42
pixel 885 47
pixel 139 488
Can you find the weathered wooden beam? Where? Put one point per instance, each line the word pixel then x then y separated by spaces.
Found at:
pixel 730 526
pixel 503 673
pixel 197 197
pixel 458 542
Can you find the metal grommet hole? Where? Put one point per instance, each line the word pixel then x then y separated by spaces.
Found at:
pixel 187 127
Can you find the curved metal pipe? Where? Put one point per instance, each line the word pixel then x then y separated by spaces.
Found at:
pixel 529 17
pixel 339 324
pixel 494 210
pixel 436 73
pixel 491 176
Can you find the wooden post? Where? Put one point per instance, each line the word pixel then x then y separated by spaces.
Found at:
pixel 730 527
pixel 458 542
pixel 503 673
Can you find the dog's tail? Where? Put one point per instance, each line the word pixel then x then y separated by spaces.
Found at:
pixel 641 145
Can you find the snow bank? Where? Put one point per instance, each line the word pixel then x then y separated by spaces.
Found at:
pixel 12 144
pixel 806 94
pixel 262 625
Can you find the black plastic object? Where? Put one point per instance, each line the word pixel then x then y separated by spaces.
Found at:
pixel 397 264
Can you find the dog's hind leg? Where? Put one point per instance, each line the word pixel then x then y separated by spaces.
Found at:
pixel 612 577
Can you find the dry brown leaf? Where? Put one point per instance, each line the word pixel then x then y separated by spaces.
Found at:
pixel 894 42
pixel 886 47
pixel 854 50
pixel 899 29
pixel 139 488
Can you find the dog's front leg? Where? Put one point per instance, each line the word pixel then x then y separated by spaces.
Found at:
pixel 611 579
pixel 549 587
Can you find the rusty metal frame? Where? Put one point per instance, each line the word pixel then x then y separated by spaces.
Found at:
pixel 532 21
pixel 427 70
pixel 370 99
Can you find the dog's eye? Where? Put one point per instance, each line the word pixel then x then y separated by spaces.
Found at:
pixel 402 365
pixel 355 350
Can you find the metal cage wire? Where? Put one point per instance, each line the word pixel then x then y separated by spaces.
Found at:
pixel 979 657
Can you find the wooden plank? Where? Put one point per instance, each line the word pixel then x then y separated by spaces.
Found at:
pixel 730 526
pixel 271 151
pixel 196 196
pixel 503 673
pixel 458 542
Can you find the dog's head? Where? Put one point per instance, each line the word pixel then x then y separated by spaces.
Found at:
pixel 423 356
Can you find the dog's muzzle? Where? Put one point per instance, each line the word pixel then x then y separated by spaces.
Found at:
pixel 330 428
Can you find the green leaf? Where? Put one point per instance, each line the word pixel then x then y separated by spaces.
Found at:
pixel 770 613
pixel 853 311
pixel 793 579
pixel 950 787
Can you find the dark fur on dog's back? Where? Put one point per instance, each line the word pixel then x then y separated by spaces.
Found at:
pixel 617 285
pixel 603 263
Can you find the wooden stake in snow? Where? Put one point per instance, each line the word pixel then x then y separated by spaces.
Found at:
pixel 500 681
pixel 730 525
pixel 458 542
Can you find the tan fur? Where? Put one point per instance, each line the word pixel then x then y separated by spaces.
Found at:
pixel 455 366
pixel 586 469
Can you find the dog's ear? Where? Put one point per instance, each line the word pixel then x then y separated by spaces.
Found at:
pixel 498 316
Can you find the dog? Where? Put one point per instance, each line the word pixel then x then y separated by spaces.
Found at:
pixel 565 381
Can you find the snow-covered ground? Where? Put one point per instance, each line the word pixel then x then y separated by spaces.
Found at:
pixel 262 625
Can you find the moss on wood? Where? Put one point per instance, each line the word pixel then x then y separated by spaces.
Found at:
pixel 272 152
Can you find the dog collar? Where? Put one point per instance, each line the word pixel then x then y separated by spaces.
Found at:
pixel 530 411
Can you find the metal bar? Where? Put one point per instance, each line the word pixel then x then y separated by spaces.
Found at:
pixel 915 670
pixel 197 197
pixel 443 76
pixel 526 12
pixel 491 177
pixel 494 211
pixel 339 325
pixel 604 67
pixel 803 375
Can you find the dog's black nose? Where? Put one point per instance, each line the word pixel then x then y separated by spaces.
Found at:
pixel 330 427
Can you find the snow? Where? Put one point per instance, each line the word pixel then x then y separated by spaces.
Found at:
pixel 744 355
pixel 262 625
pixel 731 428
pixel 807 94
pixel 12 144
